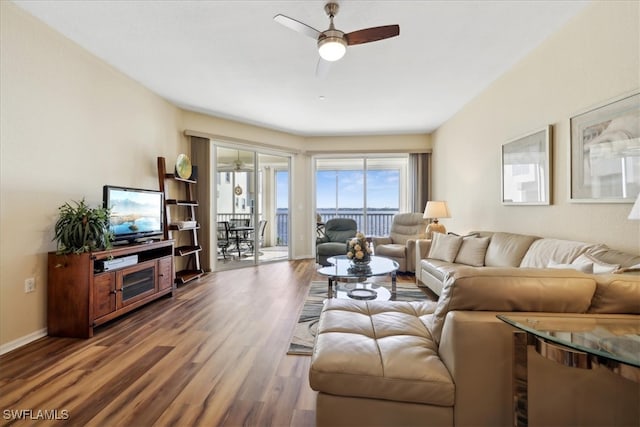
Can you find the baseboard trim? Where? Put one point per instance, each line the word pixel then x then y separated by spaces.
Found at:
pixel 12 345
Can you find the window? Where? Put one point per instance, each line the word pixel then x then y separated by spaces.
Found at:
pixel 367 190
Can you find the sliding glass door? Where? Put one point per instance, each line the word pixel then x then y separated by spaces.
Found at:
pixel 248 214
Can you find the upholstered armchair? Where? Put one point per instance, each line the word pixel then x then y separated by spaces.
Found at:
pixel 337 232
pixel 400 245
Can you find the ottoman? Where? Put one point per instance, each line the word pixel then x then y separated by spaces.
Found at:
pixel 375 363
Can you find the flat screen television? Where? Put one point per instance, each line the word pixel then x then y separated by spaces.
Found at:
pixel 136 214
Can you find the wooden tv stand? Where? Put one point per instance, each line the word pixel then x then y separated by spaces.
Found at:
pixel 80 296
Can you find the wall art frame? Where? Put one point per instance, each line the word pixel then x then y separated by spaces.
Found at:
pixel 605 152
pixel 526 169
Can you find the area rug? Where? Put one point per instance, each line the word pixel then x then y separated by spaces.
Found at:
pixel 305 330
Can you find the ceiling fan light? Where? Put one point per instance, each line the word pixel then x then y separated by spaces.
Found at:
pixel 332 48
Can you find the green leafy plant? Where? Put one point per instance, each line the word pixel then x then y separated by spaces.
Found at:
pixel 81 228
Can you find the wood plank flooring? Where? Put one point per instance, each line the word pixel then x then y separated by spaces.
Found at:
pixel 214 354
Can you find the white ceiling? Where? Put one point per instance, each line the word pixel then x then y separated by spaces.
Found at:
pixel 231 59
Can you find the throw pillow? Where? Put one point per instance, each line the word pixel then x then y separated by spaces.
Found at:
pixel 444 247
pixel 584 267
pixel 599 267
pixel 472 251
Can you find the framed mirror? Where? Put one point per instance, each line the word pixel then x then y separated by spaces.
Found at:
pixel 526 169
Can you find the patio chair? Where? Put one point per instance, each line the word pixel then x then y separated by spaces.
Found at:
pixel 400 245
pixel 239 238
pixel 223 238
pixel 337 232
pixel 262 225
pixel 239 222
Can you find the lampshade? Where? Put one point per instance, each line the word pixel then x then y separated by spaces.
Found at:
pixel 436 209
pixel 635 210
pixel 332 48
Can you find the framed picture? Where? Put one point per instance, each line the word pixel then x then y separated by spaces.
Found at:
pixel 605 152
pixel 526 169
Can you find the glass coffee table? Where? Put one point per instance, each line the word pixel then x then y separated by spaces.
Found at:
pixel 349 280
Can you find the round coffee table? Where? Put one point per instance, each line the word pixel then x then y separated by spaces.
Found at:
pixel 342 270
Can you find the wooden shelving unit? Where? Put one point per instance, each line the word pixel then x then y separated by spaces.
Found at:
pixel 82 294
pixel 189 251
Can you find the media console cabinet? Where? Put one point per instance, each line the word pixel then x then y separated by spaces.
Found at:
pixel 81 296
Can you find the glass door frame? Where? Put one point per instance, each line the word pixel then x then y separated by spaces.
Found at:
pixel 258 198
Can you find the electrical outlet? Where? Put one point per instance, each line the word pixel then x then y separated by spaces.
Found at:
pixel 29 285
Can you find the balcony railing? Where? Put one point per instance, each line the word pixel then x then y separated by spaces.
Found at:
pixel 282 224
pixel 378 223
pixel 373 223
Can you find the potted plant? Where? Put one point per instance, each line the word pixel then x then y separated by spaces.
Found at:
pixel 81 228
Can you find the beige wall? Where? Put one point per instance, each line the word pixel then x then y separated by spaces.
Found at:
pixel 374 143
pixel 592 59
pixel 69 125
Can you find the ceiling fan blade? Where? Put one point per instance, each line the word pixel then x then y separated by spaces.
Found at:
pixel 297 26
pixel 372 34
pixel 322 69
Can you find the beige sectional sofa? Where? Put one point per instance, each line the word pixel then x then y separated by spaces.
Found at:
pixel 449 362
pixel 445 254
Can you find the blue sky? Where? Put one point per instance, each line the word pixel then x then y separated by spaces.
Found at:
pixel 382 185
pixel 282 189
pixel 382 189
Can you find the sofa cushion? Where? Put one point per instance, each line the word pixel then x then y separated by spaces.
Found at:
pixel 616 293
pixel 472 251
pixel 408 226
pixel 392 250
pixel 380 240
pixel 437 268
pixel 332 248
pixel 507 249
pixel 513 289
pixel 613 256
pixel 598 267
pixel 444 247
pixel 543 251
pixel 339 230
pixel 585 267
pixel 379 350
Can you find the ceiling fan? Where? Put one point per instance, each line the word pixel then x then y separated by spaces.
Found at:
pixel 332 43
pixel 236 165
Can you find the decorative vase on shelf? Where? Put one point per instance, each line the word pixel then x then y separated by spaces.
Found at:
pixel 359 251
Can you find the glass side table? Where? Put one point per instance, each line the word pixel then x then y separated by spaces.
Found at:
pixel 576 341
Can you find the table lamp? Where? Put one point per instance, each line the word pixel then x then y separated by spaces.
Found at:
pixel 635 210
pixel 433 211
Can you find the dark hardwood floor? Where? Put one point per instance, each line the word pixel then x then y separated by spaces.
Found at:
pixel 213 354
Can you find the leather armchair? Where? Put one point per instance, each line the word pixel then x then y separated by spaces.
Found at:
pixel 334 241
pixel 400 245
